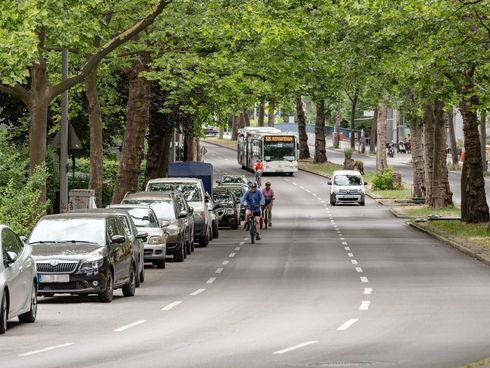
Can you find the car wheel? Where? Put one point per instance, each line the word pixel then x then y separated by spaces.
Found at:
pixel 137 278
pixel 30 316
pixel 215 230
pixel 142 275
pixel 160 263
pixel 203 242
pixel 3 315
pixel 362 203
pixel 235 226
pixel 192 245
pixel 179 253
pixel 333 200
pixel 130 288
pixel 188 248
pixel 107 295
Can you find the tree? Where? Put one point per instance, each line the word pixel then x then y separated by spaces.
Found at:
pixel 320 151
pixel 304 150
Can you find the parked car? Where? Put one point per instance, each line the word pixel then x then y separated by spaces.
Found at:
pixel 347 186
pixel 137 238
pixel 239 190
pixel 232 179
pixel 170 215
pixel 193 191
pixel 229 212
pixel 83 253
pixel 210 131
pixel 18 281
pixel 146 220
pixel 213 211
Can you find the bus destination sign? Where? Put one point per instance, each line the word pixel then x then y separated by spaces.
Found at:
pixel 279 138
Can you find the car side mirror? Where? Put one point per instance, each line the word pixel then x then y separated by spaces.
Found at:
pixel 206 200
pixel 165 223
pixel 118 239
pixel 191 210
pixel 183 214
pixel 329 182
pixel 23 238
pixel 11 257
pixel 142 236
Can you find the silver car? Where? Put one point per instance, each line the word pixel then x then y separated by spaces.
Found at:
pixel 18 280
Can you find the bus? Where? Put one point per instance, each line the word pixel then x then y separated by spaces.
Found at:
pixel 277 150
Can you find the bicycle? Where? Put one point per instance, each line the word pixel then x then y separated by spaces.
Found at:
pixel 252 226
pixel 265 214
pixel 258 180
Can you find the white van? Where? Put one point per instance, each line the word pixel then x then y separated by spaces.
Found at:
pixel 347 186
pixel 193 191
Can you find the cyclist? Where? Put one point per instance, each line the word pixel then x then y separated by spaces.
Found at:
pixel 254 200
pixel 258 168
pixel 269 196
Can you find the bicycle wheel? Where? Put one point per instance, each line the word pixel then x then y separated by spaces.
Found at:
pixel 266 217
pixel 252 230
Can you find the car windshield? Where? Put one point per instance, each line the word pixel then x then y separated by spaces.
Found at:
pixel 238 192
pixel 279 151
pixel 231 179
pixel 190 191
pixel 347 180
pixel 164 209
pixel 69 229
pixel 143 217
pixel 222 197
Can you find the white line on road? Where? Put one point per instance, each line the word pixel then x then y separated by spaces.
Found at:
pixel 225 262
pixel 359 269
pixel 347 248
pixel 124 328
pixel 245 239
pixel 344 243
pixel 171 305
pixel 354 262
pixel 364 305
pixel 211 280
pixel 340 234
pixel 364 280
pixel 219 270
pixel 46 349
pixel 347 324
pixel 294 183
pixel 231 255
pixel 238 248
pixel 368 291
pixel 197 292
pixel 302 187
pixel 342 238
pixel 295 347
pixel 350 254
pixel 241 243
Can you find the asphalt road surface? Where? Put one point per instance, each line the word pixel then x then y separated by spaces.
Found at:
pixel 343 286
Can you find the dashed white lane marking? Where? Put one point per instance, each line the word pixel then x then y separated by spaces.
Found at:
pixel 295 347
pixel 245 239
pixel 231 255
pixel 364 280
pixel 46 349
pixel 302 187
pixel 294 183
pixel 347 248
pixel 368 291
pixel 347 324
pixel 131 325
pixel 342 239
pixel 225 262
pixel 350 254
pixel 197 292
pixel 211 280
pixel 359 269
pixel 171 305
pixel 241 243
pixel 364 305
pixel 354 262
pixel 344 243
pixel 340 234
pixel 238 248
pixel 219 270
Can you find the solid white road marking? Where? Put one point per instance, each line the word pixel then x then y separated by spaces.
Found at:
pixel 197 292
pixel 368 291
pixel 123 328
pixel 225 262
pixel 219 270
pixel 295 347
pixel 364 305
pixel 171 305
pixel 231 255
pixel 359 269
pixel 364 280
pixel 354 262
pixel 238 248
pixel 46 349
pixel 347 324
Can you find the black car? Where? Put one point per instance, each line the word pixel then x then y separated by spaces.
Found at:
pixel 83 253
pixel 239 190
pixel 229 211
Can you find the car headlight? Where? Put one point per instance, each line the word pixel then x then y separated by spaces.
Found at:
pixel 92 265
pixel 155 240
pixel 172 230
pixel 336 190
pixel 229 211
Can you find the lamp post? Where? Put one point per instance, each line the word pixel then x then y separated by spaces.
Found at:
pixel 64 137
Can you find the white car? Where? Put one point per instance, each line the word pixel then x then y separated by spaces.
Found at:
pixel 347 186
pixel 18 280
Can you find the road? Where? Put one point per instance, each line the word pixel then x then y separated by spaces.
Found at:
pixel 325 287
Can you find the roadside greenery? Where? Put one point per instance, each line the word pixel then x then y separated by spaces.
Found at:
pixel 425 211
pixel 383 180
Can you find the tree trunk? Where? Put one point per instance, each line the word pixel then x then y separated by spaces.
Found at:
pixel 261 117
pixel 374 133
pixel 165 156
pixel 320 152
pixel 271 120
pixel 234 128
pixel 156 134
pixel 429 147
pixel 96 177
pixel 418 159
pixel 137 117
pixel 474 208
pixel 189 146
pixel 381 124
pixel 441 196
pixel 221 133
pixel 483 139
pixel 246 118
pixel 304 150
pixel 452 136
pixel 353 120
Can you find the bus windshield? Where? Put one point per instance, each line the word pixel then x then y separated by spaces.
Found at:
pixel 279 151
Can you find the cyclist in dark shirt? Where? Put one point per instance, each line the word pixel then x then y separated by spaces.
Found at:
pixel 253 199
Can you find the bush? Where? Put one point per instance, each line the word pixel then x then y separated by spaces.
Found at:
pixel 383 180
pixel 348 153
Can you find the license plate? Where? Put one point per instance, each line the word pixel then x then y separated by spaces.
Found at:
pixel 349 197
pixel 53 278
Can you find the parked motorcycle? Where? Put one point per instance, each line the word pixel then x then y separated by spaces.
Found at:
pixel 391 150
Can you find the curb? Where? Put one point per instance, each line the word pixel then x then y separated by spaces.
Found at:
pixel 470 252
pixel 398 214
